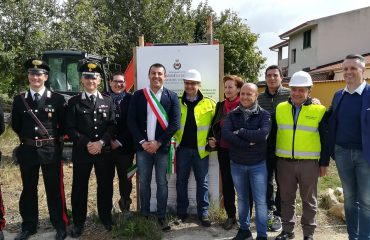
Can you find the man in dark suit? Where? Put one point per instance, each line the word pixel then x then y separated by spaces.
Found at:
pixel 2 220
pixel 122 143
pixel 152 131
pixel 40 130
pixel 349 145
pixel 90 124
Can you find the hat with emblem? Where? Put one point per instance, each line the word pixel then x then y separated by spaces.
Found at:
pixel 36 66
pixel 90 67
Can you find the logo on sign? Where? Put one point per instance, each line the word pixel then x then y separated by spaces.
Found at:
pixel 177 64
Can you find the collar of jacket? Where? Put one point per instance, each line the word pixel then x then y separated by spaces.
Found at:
pixel 277 91
pixel 306 103
pixel 183 98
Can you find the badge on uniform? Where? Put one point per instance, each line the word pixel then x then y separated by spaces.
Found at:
pixel 104 114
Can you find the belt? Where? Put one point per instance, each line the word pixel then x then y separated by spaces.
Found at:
pixel 38 142
pixel 290 159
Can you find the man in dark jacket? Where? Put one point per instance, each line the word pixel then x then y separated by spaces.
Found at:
pixel 246 130
pixel 122 143
pixel 91 126
pixel 38 120
pixel 154 117
pixel 274 94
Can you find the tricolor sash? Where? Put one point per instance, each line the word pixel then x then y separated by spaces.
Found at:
pixel 162 118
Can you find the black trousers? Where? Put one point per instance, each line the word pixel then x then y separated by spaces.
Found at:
pixel 104 172
pixel 28 203
pixel 2 212
pixel 273 198
pixel 123 162
pixel 228 190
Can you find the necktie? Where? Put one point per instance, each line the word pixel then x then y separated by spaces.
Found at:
pixel 36 97
pixel 92 99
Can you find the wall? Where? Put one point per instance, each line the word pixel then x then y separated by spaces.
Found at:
pixel 343 34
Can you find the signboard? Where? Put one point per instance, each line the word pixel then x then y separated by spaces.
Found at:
pixel 177 60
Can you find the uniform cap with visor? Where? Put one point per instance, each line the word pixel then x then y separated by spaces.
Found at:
pixel 90 69
pixel 301 79
pixel 192 75
pixel 36 66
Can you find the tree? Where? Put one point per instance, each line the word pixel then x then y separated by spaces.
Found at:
pixel 24 30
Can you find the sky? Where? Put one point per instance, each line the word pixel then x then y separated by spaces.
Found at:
pixel 270 18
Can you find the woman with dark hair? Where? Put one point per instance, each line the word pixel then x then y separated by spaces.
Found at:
pixel 232 86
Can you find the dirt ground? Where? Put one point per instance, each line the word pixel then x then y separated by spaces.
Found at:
pixel 328 227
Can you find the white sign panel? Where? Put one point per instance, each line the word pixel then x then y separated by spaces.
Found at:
pixel 177 60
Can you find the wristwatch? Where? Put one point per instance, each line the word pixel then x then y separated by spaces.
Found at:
pixel 102 143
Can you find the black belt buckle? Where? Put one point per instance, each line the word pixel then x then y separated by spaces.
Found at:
pixel 38 143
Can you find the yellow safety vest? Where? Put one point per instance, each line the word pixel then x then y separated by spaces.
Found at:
pixel 303 140
pixel 203 113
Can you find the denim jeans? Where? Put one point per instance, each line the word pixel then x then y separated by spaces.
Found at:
pixel 145 163
pixel 254 176
pixel 354 173
pixel 187 158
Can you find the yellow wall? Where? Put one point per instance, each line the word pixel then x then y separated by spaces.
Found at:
pixel 324 91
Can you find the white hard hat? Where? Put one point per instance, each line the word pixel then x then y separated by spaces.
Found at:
pixel 193 75
pixel 300 79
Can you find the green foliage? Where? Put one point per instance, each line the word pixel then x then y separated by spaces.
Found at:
pixel 137 227
pixel 111 28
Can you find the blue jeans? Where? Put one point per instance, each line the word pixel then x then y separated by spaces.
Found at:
pixel 354 173
pixel 187 158
pixel 254 176
pixel 145 162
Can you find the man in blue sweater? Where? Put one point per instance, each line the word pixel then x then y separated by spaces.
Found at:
pixel 349 145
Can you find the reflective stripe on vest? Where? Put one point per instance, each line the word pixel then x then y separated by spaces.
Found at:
pixel 203 112
pixel 303 142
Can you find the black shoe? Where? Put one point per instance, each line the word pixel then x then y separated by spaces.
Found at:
pixel 308 238
pixel 228 224
pixel 285 236
pixel 243 235
pixel 261 238
pixel 205 221
pixel 61 234
pixel 1 235
pixel 108 227
pixel 183 217
pixel 165 227
pixel 24 235
pixel 76 231
pixel 124 205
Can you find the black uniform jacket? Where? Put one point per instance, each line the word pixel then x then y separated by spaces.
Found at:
pixel 123 134
pixel 51 112
pixel 86 122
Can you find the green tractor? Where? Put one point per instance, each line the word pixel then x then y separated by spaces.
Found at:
pixel 64 77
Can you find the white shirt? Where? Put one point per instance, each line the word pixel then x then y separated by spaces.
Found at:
pixel 89 94
pixel 151 123
pixel 359 89
pixel 41 92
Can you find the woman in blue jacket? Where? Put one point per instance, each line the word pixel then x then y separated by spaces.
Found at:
pixel 246 130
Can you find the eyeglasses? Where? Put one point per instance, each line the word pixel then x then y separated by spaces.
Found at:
pixel 190 83
pixel 118 82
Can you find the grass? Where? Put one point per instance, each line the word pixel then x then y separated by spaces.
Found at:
pixel 135 227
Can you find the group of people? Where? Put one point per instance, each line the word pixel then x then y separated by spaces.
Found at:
pixel 280 135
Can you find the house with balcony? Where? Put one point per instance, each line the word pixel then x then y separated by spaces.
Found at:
pixel 324 41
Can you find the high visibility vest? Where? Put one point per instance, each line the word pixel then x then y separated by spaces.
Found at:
pixel 203 113
pixel 300 141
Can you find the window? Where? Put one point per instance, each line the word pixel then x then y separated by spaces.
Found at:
pixel 307 39
pixel 293 55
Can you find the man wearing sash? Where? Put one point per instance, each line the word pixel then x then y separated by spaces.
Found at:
pixel 38 120
pixel 154 117
pixel 197 112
